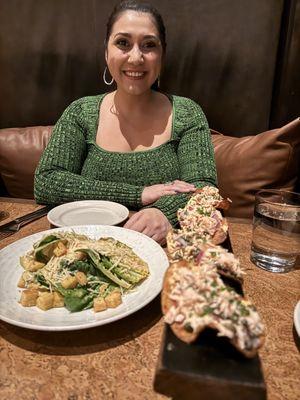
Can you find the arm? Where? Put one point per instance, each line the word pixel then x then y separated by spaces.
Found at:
pixel 58 176
pixel 195 157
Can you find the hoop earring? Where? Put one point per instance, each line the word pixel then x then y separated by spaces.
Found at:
pixel 104 78
pixel 158 81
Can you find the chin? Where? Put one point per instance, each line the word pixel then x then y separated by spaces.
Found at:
pixel 135 87
pixel 137 90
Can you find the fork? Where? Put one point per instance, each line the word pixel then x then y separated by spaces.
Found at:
pixel 14 226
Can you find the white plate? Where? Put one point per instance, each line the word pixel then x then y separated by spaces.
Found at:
pixel 88 212
pixel 60 319
pixel 297 317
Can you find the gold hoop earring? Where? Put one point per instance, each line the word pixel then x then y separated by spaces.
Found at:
pixel 104 78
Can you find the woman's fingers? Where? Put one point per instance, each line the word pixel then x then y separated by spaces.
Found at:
pixel 152 222
pixel 136 223
pixel 180 188
pixel 152 193
pixel 158 238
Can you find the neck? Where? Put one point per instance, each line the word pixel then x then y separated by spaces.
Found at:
pixel 134 104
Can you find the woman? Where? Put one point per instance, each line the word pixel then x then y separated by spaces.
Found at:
pixel 136 146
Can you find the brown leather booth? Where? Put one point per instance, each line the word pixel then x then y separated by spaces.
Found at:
pixel 244 165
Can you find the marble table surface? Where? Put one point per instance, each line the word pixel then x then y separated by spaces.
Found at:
pixel 118 361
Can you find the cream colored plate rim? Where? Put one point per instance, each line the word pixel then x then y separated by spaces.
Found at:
pixel 56 214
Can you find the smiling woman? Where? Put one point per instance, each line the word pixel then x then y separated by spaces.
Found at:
pixel 138 146
pixel 134 52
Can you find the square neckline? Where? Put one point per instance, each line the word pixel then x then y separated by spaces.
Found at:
pixel 97 112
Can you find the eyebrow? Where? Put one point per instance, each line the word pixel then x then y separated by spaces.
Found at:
pixel 126 34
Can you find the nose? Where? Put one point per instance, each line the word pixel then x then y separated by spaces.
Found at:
pixel 135 56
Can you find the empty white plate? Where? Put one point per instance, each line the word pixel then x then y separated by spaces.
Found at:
pixel 88 212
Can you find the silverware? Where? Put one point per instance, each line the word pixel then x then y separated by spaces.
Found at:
pixel 14 226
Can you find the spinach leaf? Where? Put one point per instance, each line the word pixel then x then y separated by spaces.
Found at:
pixel 74 303
pixel 41 280
pixel 83 266
pixel 44 251
pixel 76 299
pixel 46 240
pixel 77 292
pixel 104 265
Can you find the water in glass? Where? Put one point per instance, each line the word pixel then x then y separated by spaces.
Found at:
pixel 276 237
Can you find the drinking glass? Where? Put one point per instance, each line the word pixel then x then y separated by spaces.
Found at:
pixel 3 215
pixel 276 230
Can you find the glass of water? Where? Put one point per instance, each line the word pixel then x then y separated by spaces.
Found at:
pixel 3 215
pixel 276 230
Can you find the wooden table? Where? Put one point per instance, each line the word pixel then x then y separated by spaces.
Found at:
pixel 118 361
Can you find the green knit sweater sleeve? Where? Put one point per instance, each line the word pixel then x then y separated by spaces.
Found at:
pixel 58 177
pixel 195 155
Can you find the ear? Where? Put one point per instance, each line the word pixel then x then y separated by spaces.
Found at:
pixel 106 55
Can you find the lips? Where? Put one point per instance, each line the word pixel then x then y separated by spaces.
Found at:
pixel 134 74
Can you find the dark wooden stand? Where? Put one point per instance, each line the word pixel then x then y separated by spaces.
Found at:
pixel 209 369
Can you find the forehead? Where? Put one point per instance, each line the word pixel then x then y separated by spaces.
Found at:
pixel 135 23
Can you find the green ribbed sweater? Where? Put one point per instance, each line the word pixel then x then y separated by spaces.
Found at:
pixel 73 167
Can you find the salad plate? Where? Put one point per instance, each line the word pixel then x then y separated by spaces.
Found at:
pixel 297 317
pixel 60 319
pixel 88 212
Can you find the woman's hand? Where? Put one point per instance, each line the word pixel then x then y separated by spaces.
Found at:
pixel 152 193
pixel 152 222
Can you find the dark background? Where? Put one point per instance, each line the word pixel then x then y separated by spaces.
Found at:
pixel 239 59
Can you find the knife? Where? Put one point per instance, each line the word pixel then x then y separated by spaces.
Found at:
pixel 25 219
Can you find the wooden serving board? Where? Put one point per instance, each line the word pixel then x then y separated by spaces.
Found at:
pixel 210 368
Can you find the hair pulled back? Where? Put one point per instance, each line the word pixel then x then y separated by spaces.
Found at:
pixel 132 5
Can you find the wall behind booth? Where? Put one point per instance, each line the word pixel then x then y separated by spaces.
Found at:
pixel 236 58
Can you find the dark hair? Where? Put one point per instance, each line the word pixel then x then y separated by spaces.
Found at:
pixel 132 5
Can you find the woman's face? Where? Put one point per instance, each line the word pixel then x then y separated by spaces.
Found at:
pixel 134 52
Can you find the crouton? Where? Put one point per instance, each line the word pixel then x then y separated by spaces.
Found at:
pixel 45 301
pixel 21 283
pixel 58 300
pixel 60 249
pixel 34 286
pixel 81 278
pixel 80 255
pixel 99 304
pixel 102 288
pixel 70 282
pixel 113 299
pixel 29 297
pixel 30 264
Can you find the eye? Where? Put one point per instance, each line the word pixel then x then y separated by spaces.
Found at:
pixel 149 45
pixel 122 43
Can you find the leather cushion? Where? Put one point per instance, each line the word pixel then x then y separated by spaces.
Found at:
pixel 20 151
pixel 248 164
pixel 244 165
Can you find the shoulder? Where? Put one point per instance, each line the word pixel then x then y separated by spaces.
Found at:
pixel 185 104
pixel 187 112
pixel 84 104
